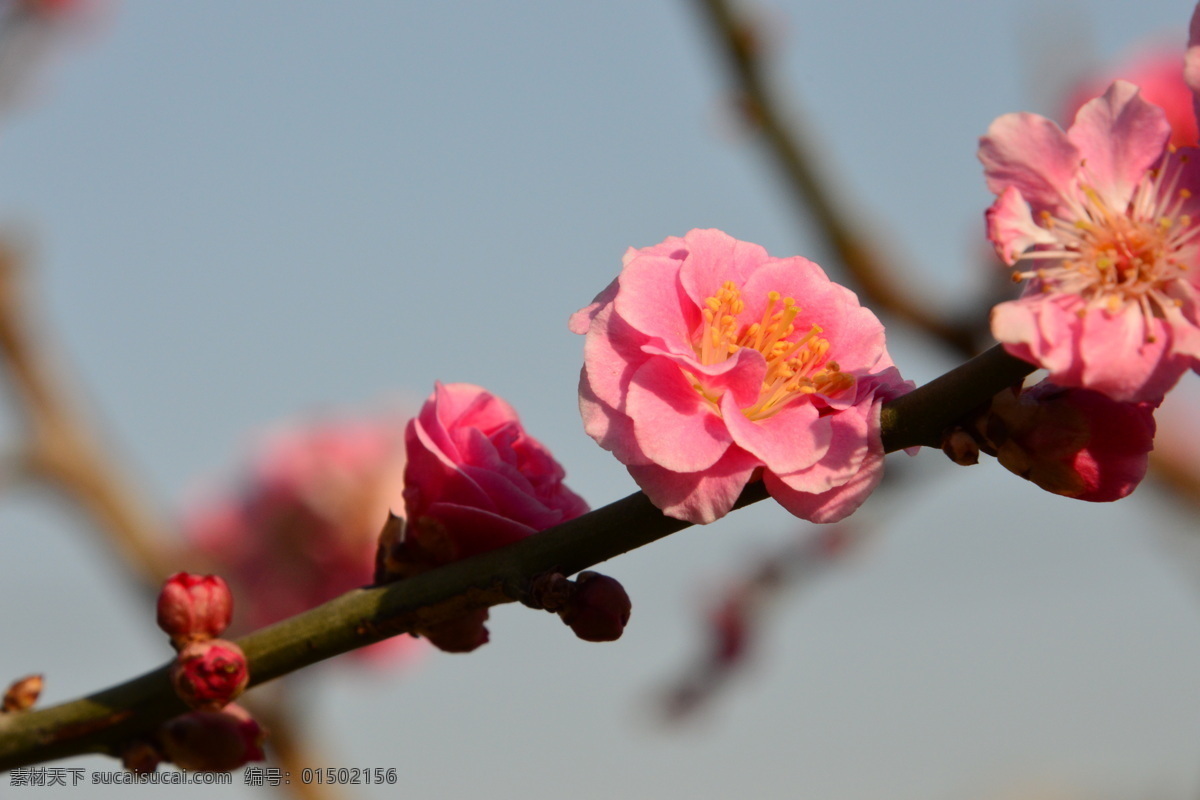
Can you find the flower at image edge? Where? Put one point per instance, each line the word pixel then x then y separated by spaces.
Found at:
pixel 1101 223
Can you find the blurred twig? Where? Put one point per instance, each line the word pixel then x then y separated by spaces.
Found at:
pixel 60 448
pixel 883 285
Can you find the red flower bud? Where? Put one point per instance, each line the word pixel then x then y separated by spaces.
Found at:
pixel 193 608
pixel 213 741
pixel 1073 442
pixel 208 675
pixel 598 610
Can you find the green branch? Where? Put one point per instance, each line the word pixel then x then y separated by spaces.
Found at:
pixel 101 722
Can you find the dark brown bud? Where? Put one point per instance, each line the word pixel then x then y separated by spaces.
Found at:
pixel 599 608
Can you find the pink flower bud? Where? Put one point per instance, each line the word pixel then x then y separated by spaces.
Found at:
pixel 208 675
pixel 22 694
pixel 1073 442
pixel 598 610
pixel 475 480
pixel 213 741
pixel 194 608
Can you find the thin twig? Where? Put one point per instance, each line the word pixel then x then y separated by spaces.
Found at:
pixel 740 46
pixel 60 448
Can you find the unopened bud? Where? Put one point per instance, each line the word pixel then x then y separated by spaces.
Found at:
pixel 1073 442
pixel 961 447
pixel 461 634
pixel 208 675
pixel 213 741
pixel 193 608
pixel 140 756
pixel 22 694
pixel 598 610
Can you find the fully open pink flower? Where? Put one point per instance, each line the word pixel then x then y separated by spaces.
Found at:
pixel 708 362
pixel 1102 221
pixel 475 480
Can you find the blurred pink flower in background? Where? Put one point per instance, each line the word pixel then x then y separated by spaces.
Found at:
pixel 1103 221
pixel 709 363
pixel 301 526
pixel 34 32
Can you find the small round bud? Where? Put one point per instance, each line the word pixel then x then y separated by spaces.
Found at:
pixel 960 447
pixel 193 608
pixel 140 756
pixel 213 741
pixel 598 610
pixel 22 694
pixel 461 634
pixel 208 675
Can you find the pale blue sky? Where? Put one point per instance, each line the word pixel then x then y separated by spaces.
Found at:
pixel 242 212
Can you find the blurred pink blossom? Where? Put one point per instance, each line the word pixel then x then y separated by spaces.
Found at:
pixel 1102 219
pixel 708 363
pixel 302 525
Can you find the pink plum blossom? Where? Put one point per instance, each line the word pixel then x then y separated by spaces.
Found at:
pixel 1101 222
pixel 475 480
pixel 301 525
pixel 1074 442
pixel 709 363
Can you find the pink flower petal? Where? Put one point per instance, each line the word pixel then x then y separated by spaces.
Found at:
pixel 699 497
pixel 1121 136
pixel 835 504
pixel 715 257
pixel 794 438
pixel 651 300
pixel 849 437
pixel 675 427
pixel 1011 227
pixel 1033 155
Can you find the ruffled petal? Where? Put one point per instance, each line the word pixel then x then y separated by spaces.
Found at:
pixel 835 504
pixel 1011 228
pixel 796 437
pixel 1120 136
pixel 698 497
pixel 674 426
pixel 1033 155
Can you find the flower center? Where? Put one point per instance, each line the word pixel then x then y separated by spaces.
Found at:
pixel 796 365
pixel 1114 257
